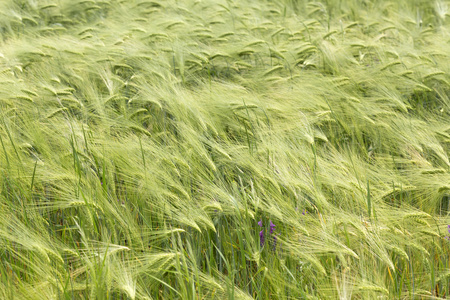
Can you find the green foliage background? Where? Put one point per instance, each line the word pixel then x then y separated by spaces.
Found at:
pixel 143 141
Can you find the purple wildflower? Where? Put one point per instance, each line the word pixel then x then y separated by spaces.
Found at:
pixel 271 231
pixel 261 238
pixel 261 234
pixel 272 227
pixel 304 212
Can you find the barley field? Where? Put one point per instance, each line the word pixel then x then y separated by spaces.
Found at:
pixel 224 149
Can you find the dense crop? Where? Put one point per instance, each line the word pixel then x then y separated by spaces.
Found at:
pixel 213 149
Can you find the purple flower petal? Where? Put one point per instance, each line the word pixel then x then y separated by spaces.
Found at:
pixel 261 238
pixel 260 223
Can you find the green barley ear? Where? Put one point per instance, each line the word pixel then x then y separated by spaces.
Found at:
pixel 205 150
